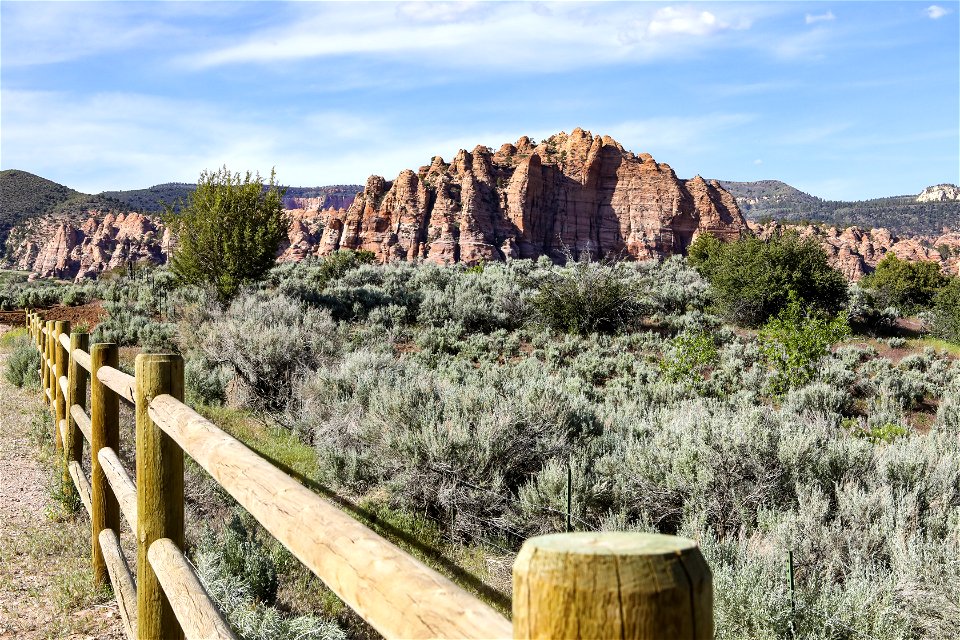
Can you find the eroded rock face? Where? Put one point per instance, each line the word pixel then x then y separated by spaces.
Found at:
pixel 940 193
pixel 856 252
pixel 69 249
pixel 569 194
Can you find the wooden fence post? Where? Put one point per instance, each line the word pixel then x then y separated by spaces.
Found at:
pixel 159 492
pixel 104 432
pixel 48 325
pixel 60 362
pixel 634 586
pixel 60 357
pixel 77 394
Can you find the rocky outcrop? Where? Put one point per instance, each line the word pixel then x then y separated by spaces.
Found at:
pixel 940 193
pixel 569 194
pixel 856 252
pixel 69 249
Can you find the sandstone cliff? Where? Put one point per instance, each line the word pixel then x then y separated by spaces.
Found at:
pixel 570 193
pixel 65 247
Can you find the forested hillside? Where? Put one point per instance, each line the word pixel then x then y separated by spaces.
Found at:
pixel 902 215
pixel 25 195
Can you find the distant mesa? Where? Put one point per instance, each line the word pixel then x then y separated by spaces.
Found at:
pixel 940 193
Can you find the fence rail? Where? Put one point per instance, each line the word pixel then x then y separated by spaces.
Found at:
pixel 639 586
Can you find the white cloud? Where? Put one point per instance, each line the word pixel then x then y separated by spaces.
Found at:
pixel 823 17
pixel 503 36
pixel 124 141
pixel 758 162
pixel 687 20
pixel 935 12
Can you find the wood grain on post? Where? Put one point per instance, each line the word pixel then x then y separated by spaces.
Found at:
pixel 398 595
pixel 79 480
pixel 47 369
pixel 123 488
pixel 104 432
pixel 60 362
pixel 60 358
pixel 636 586
pixel 42 347
pixel 159 492
pixel 83 421
pixel 192 604
pixel 76 395
pixel 122 580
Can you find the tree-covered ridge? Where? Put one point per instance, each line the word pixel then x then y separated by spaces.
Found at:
pixel 25 195
pixel 900 214
pixel 148 200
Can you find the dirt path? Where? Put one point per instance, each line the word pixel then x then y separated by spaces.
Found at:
pixel 46 590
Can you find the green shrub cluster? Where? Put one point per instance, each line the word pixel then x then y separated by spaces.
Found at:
pixel 753 279
pixel 23 360
pixel 907 285
pixel 240 575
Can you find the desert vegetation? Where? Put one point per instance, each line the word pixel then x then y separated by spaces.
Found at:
pixel 746 398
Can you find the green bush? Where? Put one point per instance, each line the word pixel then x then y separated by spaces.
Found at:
pixel 946 312
pixel 753 279
pixel 794 342
pixel 588 297
pixel 266 341
pixel 689 355
pixel 23 363
pixel 205 382
pixel 907 285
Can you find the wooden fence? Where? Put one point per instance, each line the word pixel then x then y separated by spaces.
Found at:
pixel 573 585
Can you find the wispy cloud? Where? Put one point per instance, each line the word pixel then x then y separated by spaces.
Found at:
pixel 139 140
pixel 823 17
pixel 504 36
pixel 935 12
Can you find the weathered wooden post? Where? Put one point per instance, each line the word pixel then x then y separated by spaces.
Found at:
pixel 60 358
pixel 60 401
pixel 48 326
pixel 159 492
pixel 77 394
pixel 634 586
pixel 104 432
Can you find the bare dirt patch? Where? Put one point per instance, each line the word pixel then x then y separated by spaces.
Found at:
pixel 90 314
pixel 46 588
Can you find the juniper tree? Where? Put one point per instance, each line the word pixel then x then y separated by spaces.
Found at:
pixel 228 231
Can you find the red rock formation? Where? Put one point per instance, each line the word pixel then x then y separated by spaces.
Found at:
pixel 856 252
pixel 571 193
pixel 64 248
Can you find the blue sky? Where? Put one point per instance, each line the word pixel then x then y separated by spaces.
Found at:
pixel 843 100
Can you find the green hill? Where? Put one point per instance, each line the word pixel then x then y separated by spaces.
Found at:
pixel 903 215
pixel 25 195
pixel 148 200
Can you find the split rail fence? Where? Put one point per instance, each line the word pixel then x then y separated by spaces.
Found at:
pixel 572 585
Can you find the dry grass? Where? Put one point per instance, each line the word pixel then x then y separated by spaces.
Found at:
pixel 46 583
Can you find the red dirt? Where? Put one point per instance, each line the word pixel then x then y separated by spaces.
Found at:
pixel 90 314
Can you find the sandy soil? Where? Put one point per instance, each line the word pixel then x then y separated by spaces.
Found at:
pixel 45 586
